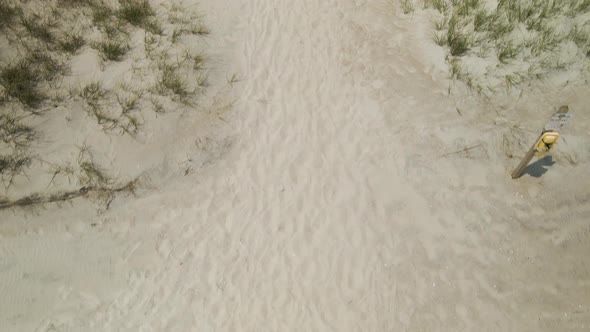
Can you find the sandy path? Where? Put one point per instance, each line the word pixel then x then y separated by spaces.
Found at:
pixel 334 210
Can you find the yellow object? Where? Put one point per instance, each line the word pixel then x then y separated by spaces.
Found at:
pixel 546 142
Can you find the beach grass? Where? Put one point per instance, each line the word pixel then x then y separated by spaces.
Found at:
pixel 530 32
pixel 45 36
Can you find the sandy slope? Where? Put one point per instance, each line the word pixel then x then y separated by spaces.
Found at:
pixel 341 205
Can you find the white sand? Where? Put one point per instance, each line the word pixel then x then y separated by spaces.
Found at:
pixel 340 205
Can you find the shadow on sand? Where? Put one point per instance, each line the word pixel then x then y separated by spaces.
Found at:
pixel 539 167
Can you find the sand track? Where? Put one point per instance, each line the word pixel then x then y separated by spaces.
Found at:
pixel 334 209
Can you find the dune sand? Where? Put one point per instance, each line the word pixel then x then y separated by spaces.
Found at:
pixel 344 203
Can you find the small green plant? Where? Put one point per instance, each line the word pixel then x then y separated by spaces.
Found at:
pixel 407 6
pixel 14 132
pixel 198 61
pixel 499 27
pixel 92 174
pixel 157 105
pixel 440 5
pixel 12 165
pixel 171 82
pixel 202 80
pixel 112 50
pixel 93 92
pixel 456 70
pixel 38 28
pixel 74 3
pixel 46 66
pixel 441 24
pixel 94 95
pixel 72 43
pixel 512 81
pixel 8 13
pixel 465 8
pixel 200 29
pixel 153 26
pixel 175 35
pixel 507 51
pixel 582 6
pixel 547 41
pixel 233 79
pixel 440 39
pixel 21 82
pixel 457 41
pixel 481 20
pixel 128 104
pixel 136 12
pixel 101 14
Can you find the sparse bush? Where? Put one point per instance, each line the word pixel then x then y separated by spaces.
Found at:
pixel 46 65
pixel 12 165
pixel 202 80
pixel 38 28
pixel 407 6
pixel 93 92
pixel 200 29
pixel 72 43
pixel 507 51
pixel 102 14
pixel 8 13
pixel 92 174
pixel 440 25
pixel 198 61
pixel 171 82
pixel 499 27
pixel 481 20
pixel 73 3
pixel 457 41
pixel 465 8
pixel 582 6
pixel 440 5
pixel 112 50
pixel 440 39
pixel 456 70
pixel 14 132
pixel 153 26
pixel 128 104
pixel 136 12
pixel 512 81
pixel 21 82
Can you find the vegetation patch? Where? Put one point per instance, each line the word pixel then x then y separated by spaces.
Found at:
pixel 8 14
pixel 44 37
pixel 21 82
pixel 136 12
pixel 112 50
pixel 518 40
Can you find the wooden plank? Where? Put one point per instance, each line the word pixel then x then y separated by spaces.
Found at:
pixel 525 161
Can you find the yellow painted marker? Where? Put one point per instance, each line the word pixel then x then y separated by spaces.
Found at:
pixel 546 140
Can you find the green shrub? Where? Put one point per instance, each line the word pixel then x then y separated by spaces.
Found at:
pixel 13 164
pixel 72 43
pixel 112 50
pixel 171 82
pixel 457 41
pixel 136 12
pixel 8 13
pixel 37 28
pixel 21 82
